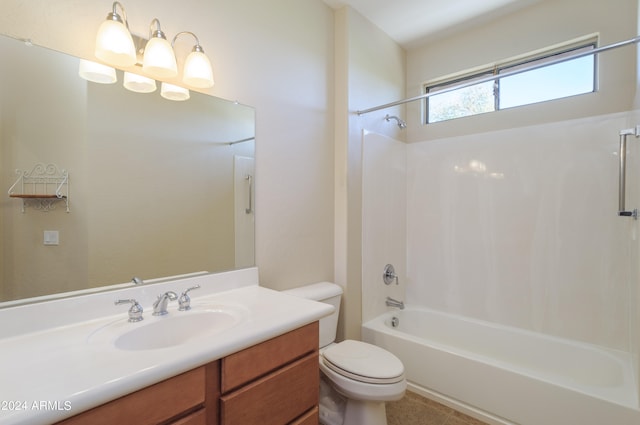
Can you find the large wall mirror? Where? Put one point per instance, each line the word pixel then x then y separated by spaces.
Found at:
pixel 156 188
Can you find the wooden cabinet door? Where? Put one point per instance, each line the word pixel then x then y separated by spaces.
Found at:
pixel 244 366
pixel 276 399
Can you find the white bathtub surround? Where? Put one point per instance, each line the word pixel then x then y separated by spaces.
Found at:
pixel 384 232
pixel 509 375
pixel 82 373
pixel 518 228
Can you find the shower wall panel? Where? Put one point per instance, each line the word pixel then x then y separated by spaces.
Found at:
pixel 519 227
pixel 384 206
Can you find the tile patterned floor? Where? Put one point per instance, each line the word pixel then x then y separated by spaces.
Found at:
pixel 416 410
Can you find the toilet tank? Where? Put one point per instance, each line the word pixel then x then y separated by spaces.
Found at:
pixel 328 293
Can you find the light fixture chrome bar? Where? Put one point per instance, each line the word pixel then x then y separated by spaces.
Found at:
pixel 622 176
pixel 113 16
pixel 634 40
pixel 173 42
pixel 242 140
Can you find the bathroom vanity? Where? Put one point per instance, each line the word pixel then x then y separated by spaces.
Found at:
pixel 275 382
pixel 259 365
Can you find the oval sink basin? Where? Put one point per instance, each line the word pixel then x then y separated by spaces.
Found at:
pixel 172 330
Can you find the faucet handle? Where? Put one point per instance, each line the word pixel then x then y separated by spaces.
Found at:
pixel 389 275
pixel 184 301
pixel 172 296
pixel 135 312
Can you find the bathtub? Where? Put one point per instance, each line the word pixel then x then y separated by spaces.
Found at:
pixel 505 375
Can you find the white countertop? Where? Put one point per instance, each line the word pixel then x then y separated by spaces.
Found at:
pixel 51 373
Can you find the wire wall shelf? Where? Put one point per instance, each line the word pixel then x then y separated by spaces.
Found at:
pixel 41 187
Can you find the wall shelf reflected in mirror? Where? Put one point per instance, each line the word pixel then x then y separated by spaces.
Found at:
pixel 41 187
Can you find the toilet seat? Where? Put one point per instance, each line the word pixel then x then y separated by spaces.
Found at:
pixel 363 362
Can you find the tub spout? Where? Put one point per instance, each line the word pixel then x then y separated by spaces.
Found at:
pixel 394 303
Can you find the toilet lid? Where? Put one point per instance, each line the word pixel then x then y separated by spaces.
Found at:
pixel 363 362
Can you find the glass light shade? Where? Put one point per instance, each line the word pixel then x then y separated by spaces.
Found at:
pixel 173 92
pixel 114 44
pixel 197 71
pixel 159 59
pixel 97 72
pixel 138 83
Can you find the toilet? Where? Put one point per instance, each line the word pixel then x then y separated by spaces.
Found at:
pixel 365 375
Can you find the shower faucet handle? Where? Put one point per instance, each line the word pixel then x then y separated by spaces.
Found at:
pixel 389 275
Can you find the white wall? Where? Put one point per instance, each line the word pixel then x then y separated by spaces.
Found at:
pixel 540 25
pixel 276 56
pixel 370 70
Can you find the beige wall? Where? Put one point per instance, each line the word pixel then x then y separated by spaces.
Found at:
pixel 147 178
pixel 370 70
pixel 306 71
pixel 279 57
pixel 276 56
pixel 28 267
pixel 541 25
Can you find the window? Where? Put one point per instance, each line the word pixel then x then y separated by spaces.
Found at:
pixel 521 85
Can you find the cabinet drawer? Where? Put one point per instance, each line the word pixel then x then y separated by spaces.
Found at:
pixel 275 399
pixel 247 365
pixel 312 417
pixel 151 405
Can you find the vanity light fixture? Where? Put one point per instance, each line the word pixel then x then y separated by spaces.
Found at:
pixel 197 71
pixel 114 44
pixel 159 60
pixel 138 83
pixel 97 72
pixel 173 92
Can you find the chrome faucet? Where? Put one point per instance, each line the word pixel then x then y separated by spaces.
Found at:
pixel 394 303
pixel 185 301
pixel 135 312
pixel 160 305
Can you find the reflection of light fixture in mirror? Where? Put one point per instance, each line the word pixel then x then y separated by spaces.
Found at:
pixel 173 92
pixel 97 72
pixel 197 70
pixel 114 44
pixel 138 83
pixel 159 61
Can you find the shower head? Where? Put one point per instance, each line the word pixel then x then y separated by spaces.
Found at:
pixel 401 123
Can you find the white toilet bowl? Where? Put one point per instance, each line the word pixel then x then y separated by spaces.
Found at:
pixel 367 376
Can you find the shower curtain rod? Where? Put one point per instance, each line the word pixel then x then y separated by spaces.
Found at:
pixel 241 140
pixel 634 40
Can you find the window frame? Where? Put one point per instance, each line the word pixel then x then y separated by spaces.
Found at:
pixel 549 54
